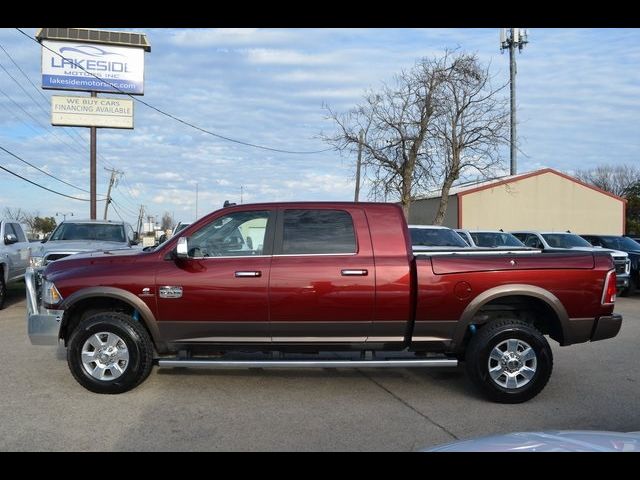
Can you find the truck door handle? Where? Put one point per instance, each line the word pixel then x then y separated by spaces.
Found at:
pixel 249 274
pixel 355 272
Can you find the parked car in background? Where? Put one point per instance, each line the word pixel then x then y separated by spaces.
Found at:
pixel 429 238
pixel 491 239
pixel 624 244
pixel 180 226
pixel 76 236
pixel 550 241
pixel 14 255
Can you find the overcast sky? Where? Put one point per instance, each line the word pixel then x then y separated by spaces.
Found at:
pixel 578 96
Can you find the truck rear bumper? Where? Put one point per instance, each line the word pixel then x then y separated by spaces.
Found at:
pixel 43 326
pixel 592 329
pixel 607 327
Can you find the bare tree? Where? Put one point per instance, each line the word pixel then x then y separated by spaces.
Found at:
pixel 167 221
pixel 472 124
pixel 440 119
pixel 396 122
pixel 15 214
pixel 617 179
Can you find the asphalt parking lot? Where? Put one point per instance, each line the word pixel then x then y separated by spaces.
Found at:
pixel 593 386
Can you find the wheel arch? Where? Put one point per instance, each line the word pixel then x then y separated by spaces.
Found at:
pixel 516 297
pixel 108 298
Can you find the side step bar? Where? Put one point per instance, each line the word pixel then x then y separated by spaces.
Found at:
pixel 432 362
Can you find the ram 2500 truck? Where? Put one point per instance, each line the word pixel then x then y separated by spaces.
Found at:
pixel 293 278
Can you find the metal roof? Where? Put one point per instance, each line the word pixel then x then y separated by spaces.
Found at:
pixel 468 187
pixel 108 37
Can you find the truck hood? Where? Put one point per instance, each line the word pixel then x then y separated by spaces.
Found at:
pixel 76 246
pixel 70 265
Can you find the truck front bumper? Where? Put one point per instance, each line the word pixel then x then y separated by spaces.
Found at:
pixel 43 326
pixel 622 281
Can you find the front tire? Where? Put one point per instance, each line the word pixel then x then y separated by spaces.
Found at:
pixel 509 360
pixel 110 353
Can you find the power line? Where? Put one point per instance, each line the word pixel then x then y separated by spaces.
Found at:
pixel 37 121
pixel 173 117
pixel 24 74
pixel 41 186
pixel 76 137
pixel 41 170
pixel 113 204
pixel 125 208
pixel 22 87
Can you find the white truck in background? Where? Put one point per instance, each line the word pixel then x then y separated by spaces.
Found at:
pixel 15 251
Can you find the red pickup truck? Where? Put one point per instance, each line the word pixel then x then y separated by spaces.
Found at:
pixel 339 277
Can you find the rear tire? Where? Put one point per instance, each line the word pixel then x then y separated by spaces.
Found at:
pixel 110 353
pixel 509 360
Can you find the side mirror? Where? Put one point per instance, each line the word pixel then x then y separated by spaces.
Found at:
pixel 182 249
pixel 10 238
pixel 46 237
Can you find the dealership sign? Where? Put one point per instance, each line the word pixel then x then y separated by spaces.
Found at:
pixel 74 111
pixel 94 67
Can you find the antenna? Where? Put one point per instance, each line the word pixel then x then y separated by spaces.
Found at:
pixel 514 37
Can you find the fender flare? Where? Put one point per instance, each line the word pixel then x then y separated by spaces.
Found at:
pixel 146 315
pixel 523 290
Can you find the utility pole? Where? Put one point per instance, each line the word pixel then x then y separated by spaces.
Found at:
pixel 140 218
pixel 516 37
pixel 113 180
pixel 241 192
pixel 360 141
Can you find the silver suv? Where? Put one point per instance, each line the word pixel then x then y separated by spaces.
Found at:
pixel 81 236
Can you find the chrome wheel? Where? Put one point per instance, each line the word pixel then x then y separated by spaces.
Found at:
pixel 105 356
pixel 512 363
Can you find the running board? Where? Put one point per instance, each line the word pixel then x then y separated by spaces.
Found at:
pixel 432 362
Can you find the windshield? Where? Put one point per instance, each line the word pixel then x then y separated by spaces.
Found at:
pixel 565 240
pixel 620 243
pixel 435 237
pixel 89 231
pixel 495 239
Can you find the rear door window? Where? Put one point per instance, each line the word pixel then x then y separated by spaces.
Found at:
pixel 308 232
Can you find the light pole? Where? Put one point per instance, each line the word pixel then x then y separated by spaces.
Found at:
pixel 64 215
pixel 510 38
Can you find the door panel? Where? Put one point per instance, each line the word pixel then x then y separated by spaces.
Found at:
pixel 321 296
pixel 224 284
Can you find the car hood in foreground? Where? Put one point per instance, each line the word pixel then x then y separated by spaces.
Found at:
pixel 76 246
pixel 549 441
